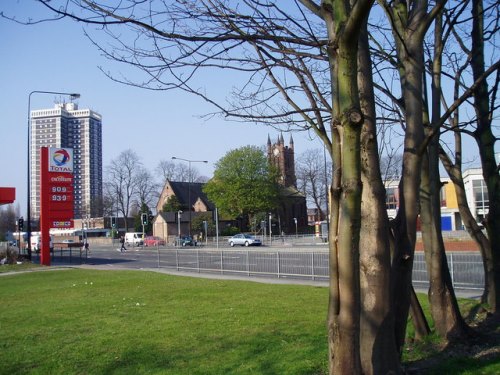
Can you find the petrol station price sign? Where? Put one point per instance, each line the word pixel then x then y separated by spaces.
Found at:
pixel 56 193
pixel 60 194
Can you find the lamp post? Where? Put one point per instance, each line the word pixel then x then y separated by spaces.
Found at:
pixel 189 184
pixel 205 226
pixel 296 231
pixel 326 194
pixel 270 230
pixel 28 208
pixel 179 227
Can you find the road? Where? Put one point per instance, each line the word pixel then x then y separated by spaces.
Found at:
pixel 298 265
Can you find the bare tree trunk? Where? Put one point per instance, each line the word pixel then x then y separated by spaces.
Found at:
pixel 448 321
pixel 419 321
pixel 455 173
pixel 486 142
pixel 409 22
pixel 343 27
pixel 405 236
pixel 378 349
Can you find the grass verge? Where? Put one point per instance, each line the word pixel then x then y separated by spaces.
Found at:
pixel 129 322
pixel 121 322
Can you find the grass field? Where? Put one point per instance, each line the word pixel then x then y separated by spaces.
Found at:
pixel 130 322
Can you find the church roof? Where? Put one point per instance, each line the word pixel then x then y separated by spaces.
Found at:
pixel 194 190
pixel 291 192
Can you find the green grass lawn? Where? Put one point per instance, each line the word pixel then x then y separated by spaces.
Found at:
pixel 131 322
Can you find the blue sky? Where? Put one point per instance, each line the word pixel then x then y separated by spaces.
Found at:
pixel 56 56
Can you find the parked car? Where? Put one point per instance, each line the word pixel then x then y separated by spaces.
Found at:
pixel 243 240
pixel 187 241
pixel 154 241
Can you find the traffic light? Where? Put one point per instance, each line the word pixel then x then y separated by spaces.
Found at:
pixel 113 222
pixel 20 224
pixel 144 218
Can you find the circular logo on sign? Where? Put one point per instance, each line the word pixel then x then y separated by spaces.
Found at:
pixel 60 157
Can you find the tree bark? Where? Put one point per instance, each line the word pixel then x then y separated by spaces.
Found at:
pixel 343 25
pixel 409 22
pixel 455 173
pixel 486 143
pixel 448 321
pixel 378 349
pixel 420 323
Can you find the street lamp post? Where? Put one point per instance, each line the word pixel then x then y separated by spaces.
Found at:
pixel 205 226
pixel 189 183
pixel 28 207
pixel 270 229
pixel 179 227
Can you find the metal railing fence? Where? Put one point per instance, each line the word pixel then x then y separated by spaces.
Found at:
pixel 466 268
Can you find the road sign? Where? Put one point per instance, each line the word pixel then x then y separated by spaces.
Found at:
pixel 56 194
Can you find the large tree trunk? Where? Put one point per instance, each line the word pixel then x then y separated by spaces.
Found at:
pixel 486 142
pixel 448 321
pixel 345 307
pixel 343 27
pixel 420 323
pixel 378 349
pixel 455 173
pixel 405 234
pixel 409 22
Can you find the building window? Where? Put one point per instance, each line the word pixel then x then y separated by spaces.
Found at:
pixel 481 200
pixel 391 198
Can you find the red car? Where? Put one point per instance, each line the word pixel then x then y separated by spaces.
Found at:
pixel 154 241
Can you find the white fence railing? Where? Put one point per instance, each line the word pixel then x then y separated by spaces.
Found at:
pixel 466 268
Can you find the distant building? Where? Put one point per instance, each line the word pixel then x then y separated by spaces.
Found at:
pixel 475 191
pixel 293 205
pixel 189 194
pixel 313 216
pixel 283 158
pixel 80 129
pixel 193 202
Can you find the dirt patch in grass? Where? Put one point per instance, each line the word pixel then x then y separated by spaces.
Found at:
pixel 481 346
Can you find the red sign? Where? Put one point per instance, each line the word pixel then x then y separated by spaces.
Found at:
pixel 7 195
pixel 56 194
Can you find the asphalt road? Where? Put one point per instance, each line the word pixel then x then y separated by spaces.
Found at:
pixel 237 263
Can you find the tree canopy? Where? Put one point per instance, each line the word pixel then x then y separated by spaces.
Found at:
pixel 244 183
pixel 172 204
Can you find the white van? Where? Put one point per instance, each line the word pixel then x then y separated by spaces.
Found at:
pixel 36 243
pixel 133 238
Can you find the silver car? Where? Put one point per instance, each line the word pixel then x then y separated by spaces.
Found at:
pixel 243 240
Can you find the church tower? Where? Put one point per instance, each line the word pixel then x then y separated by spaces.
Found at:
pixel 283 158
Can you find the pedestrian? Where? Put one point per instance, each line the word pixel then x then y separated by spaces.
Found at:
pixel 122 242
pixel 86 247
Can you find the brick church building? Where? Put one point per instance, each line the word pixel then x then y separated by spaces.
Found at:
pixel 292 211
